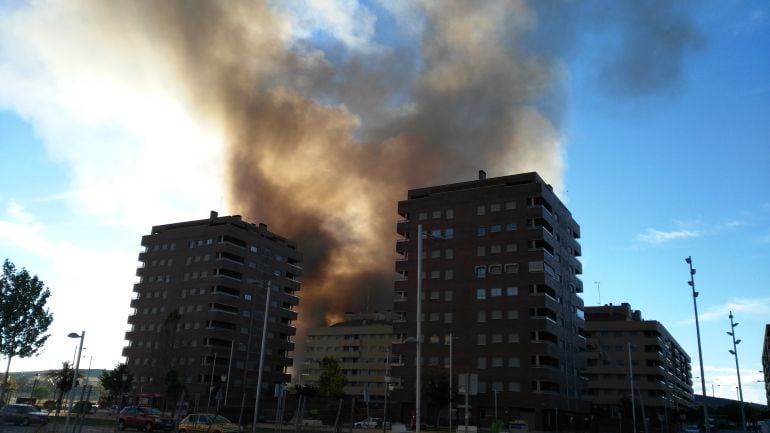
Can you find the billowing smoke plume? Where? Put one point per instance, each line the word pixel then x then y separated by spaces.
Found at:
pixel 324 132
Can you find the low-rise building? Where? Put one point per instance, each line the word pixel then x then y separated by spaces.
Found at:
pixel 361 345
pixel 622 345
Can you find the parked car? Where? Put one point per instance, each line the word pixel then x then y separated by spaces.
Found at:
pixel 144 418
pixel 518 426
pixel 207 423
pixel 83 407
pixel 23 414
pixel 367 423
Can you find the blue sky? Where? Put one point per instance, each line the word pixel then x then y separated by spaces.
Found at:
pixel 651 178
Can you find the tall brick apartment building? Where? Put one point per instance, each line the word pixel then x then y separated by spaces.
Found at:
pixel 617 337
pixel 500 274
pixel 199 310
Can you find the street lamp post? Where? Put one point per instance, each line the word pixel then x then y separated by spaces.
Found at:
pixel 451 387
pixel 74 375
pixel 737 369
pixel 418 319
pixel 691 283
pixel 34 385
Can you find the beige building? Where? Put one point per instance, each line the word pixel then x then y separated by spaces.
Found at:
pixel 361 345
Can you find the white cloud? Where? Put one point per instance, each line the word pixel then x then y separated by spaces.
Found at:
pixel 16 213
pixel 654 236
pixel 345 20
pixel 723 381
pixel 90 290
pixel 745 306
pixel 137 155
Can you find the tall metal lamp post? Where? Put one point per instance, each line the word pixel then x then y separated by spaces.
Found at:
pixel 734 352
pixel 81 336
pixel 691 283
pixel 34 385
pixel 418 319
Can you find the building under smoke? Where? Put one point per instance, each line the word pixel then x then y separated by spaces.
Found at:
pixel 198 314
pixel 361 344
pixel 500 281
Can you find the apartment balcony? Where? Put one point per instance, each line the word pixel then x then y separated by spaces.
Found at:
pixel 296 267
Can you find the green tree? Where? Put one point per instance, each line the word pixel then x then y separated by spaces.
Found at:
pixel 24 318
pixel 331 382
pixel 174 387
pixel 62 381
pixel 116 381
pixel 8 388
pixel 435 387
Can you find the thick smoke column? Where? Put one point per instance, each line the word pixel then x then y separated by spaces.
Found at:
pixel 322 138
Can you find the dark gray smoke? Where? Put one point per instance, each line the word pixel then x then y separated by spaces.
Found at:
pixel 323 140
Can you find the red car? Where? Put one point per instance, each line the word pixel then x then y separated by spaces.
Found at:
pixel 144 418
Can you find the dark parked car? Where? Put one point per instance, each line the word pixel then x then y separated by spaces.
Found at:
pixel 144 418
pixel 23 414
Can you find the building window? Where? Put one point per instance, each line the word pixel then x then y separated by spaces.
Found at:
pixel 422 216
pixel 510 227
pixel 497 338
pixel 495 228
pixel 495 269
pixel 434 254
pixel 481 231
pixel 481 339
pixel 448 295
pixel 510 248
pixel 494 249
pixel 434 339
pixel 514 387
pixel 511 291
pixel 480 271
pixel 481 251
pixel 449 253
pixel 481 210
pixel 495 207
pixel 497 361
pixel 434 317
pixel 436 214
pixel 512 314
pixel 435 274
pixel 436 233
pixel 511 268
pixel 450 213
pixel 535 267
pixel 435 295
pixel 449 234
pixel 449 274
pixel 496 315
pixel 495 292
pixel 514 361
pixel 513 338
pixel 481 364
pixel 447 317
pixel 481 293
pixel 481 316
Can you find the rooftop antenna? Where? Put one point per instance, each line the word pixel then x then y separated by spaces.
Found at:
pixel 598 290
